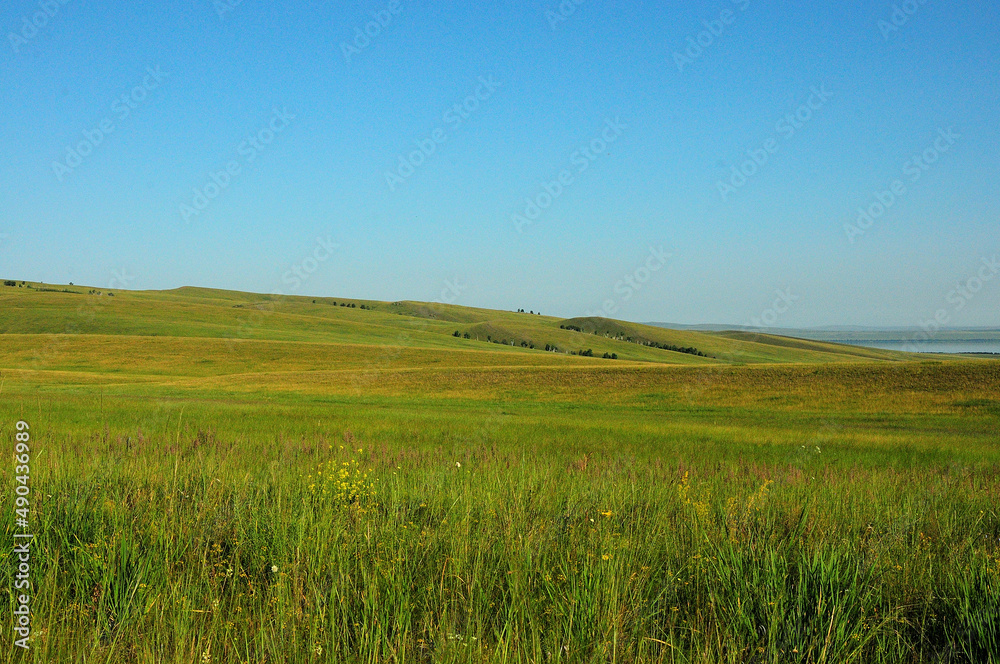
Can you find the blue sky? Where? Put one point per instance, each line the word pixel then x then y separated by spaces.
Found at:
pixel 647 111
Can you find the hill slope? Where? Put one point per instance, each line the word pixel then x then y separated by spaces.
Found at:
pixel 217 332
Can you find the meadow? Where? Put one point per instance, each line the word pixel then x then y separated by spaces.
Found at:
pixel 225 477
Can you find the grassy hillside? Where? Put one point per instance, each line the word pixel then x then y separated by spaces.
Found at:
pixel 198 313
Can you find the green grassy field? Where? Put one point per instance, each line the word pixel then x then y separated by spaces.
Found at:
pixel 227 477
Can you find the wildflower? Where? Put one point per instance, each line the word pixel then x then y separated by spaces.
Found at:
pixel 607 514
pixel 458 464
pixel 274 568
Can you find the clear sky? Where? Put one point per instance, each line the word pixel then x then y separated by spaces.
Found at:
pixel 653 161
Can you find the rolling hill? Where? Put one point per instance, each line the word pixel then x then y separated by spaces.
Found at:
pixel 59 326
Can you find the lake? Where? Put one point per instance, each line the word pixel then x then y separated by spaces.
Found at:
pixel 933 346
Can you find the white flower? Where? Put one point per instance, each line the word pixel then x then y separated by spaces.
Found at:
pixel 458 464
pixel 274 568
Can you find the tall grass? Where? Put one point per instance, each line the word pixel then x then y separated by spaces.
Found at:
pixel 188 545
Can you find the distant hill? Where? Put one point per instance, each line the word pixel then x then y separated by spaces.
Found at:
pixel 206 318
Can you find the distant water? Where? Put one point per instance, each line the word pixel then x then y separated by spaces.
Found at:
pixel 933 346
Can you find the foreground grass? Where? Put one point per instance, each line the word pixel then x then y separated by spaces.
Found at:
pixel 178 526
